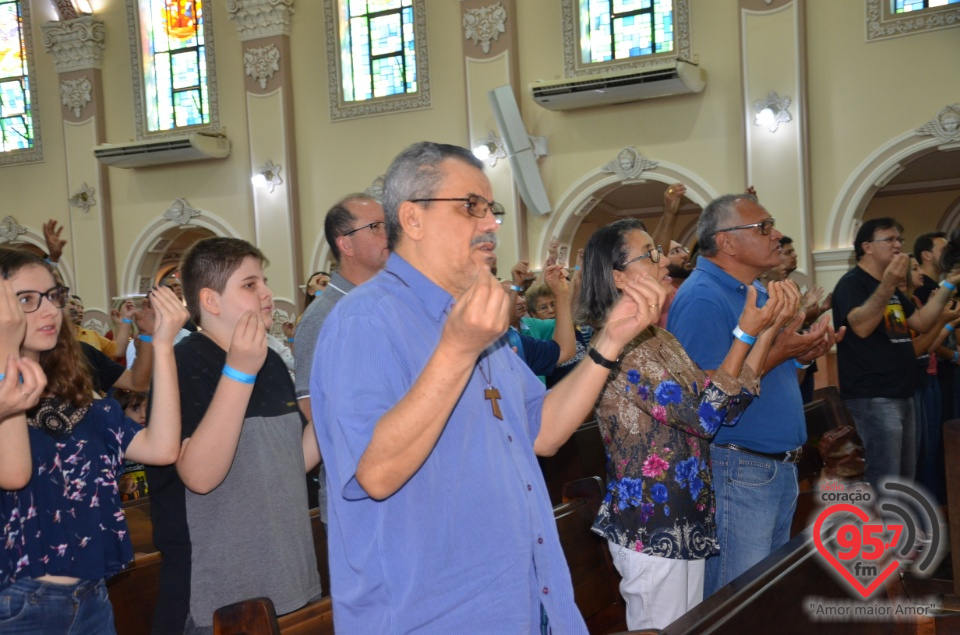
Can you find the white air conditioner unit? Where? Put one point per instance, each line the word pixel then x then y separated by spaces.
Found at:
pixel 674 78
pixel 138 154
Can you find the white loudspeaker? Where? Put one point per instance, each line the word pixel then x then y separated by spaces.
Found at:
pixel 526 174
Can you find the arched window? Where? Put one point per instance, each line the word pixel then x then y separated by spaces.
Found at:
pixel 172 51
pixel 19 125
pixel 379 61
pixel 608 35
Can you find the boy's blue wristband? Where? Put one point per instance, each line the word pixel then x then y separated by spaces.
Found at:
pixel 516 288
pixel 236 375
pixel 801 366
pixel 950 328
pixel 948 285
pixel 143 337
pixel 743 337
pixel 3 376
pixel 126 320
pixel 290 339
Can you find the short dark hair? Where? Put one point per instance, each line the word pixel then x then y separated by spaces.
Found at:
pixel 871 227
pixel 415 174
pixel 339 221
pixel 209 263
pixel 924 242
pixel 605 252
pixel 786 240
pixel 716 215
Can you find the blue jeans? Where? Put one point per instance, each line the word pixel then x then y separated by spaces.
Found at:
pixel 888 430
pixel 756 498
pixel 30 607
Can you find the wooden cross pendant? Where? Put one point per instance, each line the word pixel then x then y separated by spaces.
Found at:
pixel 492 395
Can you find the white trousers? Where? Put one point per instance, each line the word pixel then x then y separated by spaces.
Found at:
pixel 657 590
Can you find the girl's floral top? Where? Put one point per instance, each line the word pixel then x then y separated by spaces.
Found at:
pixel 68 520
pixel 657 415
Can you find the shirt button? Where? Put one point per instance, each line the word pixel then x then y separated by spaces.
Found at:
pixel 546 590
pixel 529 487
pixel 540 540
pixel 510 438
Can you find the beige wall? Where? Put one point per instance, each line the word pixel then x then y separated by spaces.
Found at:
pixel 861 96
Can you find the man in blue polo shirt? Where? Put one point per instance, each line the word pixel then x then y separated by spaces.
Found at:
pixel 754 462
pixel 429 424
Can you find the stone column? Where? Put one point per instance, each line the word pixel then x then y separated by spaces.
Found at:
pixel 264 27
pixel 77 49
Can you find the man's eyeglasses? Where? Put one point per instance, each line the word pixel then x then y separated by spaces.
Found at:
pixel 888 239
pixel 653 255
pixel 375 228
pixel 476 205
pixel 677 251
pixel 765 227
pixel 30 300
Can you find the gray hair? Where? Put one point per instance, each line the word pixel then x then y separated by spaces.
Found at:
pixel 719 213
pixel 415 174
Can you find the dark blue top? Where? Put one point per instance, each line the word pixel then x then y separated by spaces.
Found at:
pixel 703 315
pixel 469 544
pixel 68 521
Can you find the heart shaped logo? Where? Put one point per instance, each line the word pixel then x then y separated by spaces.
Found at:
pixel 851 539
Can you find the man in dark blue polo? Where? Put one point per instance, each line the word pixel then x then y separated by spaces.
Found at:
pixel 754 462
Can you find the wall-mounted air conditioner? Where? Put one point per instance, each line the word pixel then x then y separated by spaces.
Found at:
pixel 138 154
pixel 673 78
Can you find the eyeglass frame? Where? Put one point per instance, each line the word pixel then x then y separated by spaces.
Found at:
pixel 888 239
pixel 677 250
pixel 769 222
pixel 373 229
pixel 46 294
pixel 649 254
pixel 493 207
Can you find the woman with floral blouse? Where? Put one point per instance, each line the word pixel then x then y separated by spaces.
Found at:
pixel 63 524
pixel 657 415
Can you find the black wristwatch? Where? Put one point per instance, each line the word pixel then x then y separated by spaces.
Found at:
pixel 600 359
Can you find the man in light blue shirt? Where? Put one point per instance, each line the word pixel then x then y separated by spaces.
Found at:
pixel 439 519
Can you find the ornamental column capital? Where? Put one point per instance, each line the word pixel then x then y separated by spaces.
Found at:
pixel 75 44
pixel 261 18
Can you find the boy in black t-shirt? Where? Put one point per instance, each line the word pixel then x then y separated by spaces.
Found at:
pixel 231 517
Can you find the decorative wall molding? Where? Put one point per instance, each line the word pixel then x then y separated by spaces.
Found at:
pixel 574 67
pixel 10 229
pixel 261 18
pixel 629 164
pixel 484 25
pixel 35 153
pixel 883 24
pixel 945 126
pixel 340 110
pixel 75 44
pixel 136 64
pixel 83 198
pixel 261 63
pixel 180 212
pixel 75 94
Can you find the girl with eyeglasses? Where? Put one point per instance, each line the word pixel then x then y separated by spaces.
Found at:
pixel 657 415
pixel 64 527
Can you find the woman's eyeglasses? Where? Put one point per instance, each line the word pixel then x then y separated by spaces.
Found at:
pixel 30 300
pixel 653 255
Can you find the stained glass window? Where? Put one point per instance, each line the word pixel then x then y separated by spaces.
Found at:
pixel 378 56
pixel 16 121
pixel 905 6
pixel 613 30
pixel 174 64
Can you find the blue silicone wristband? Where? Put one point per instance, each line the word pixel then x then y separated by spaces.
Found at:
pixel 51 263
pixel 516 288
pixel 801 366
pixel 236 375
pixel 948 285
pixel 950 327
pixel 290 339
pixel 126 320
pixel 744 337
pixel 3 376
pixel 143 337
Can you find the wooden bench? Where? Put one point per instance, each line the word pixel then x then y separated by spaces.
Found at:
pixel 582 456
pixel 595 579
pixel 133 592
pixel 258 617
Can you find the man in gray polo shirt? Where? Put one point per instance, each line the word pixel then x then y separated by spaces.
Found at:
pixel 358 240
